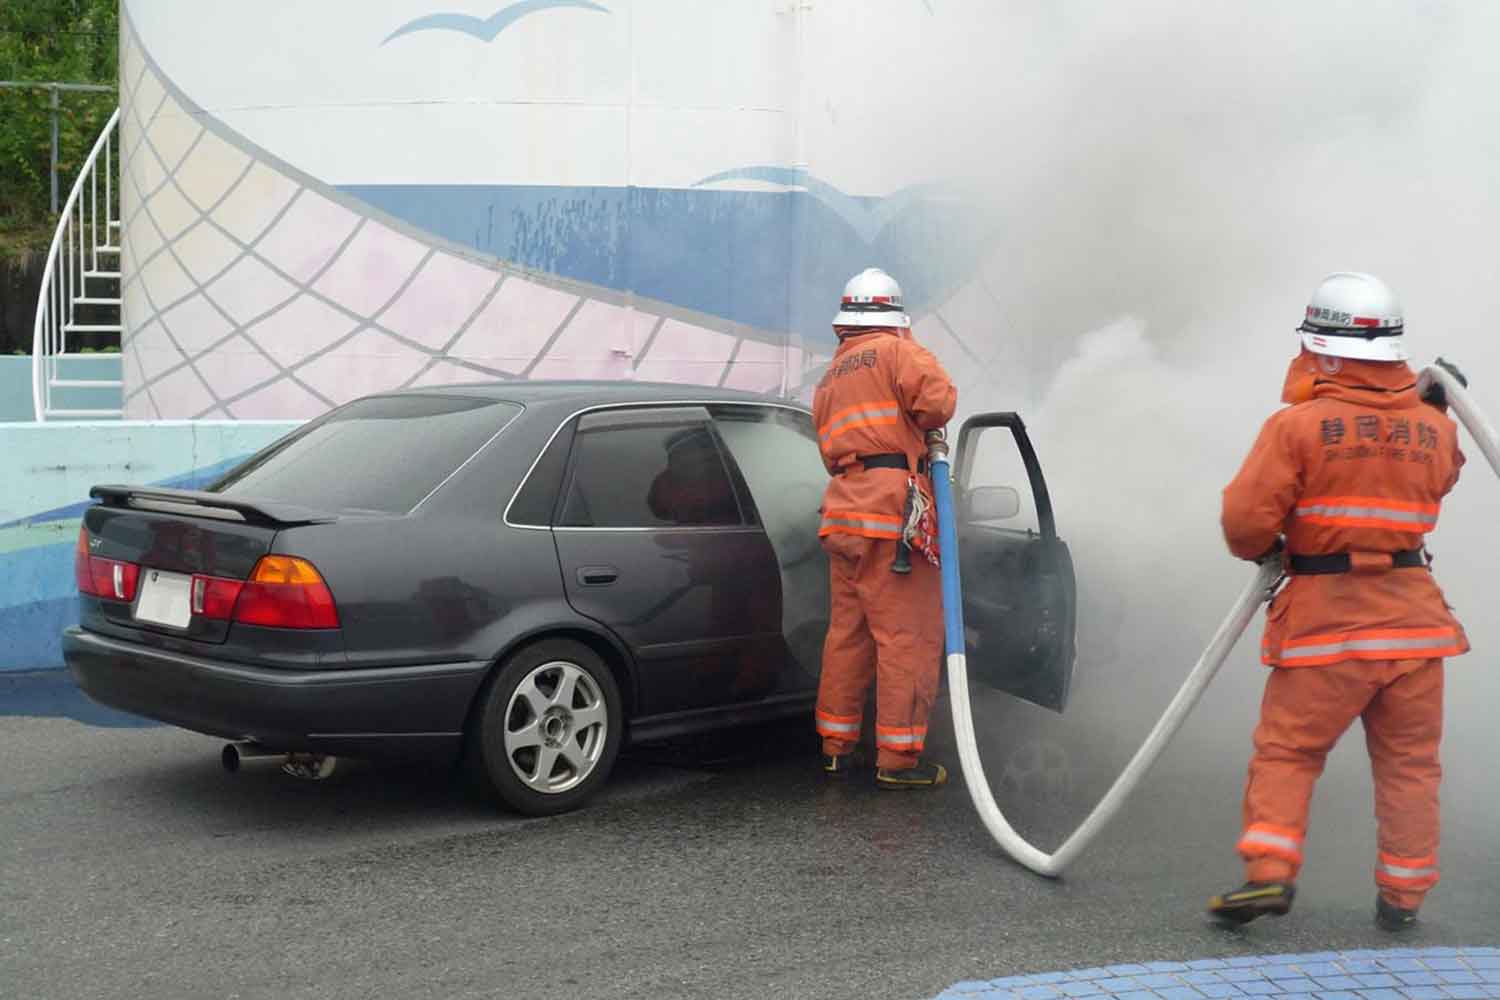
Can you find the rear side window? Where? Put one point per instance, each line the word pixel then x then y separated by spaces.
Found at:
pixel 382 454
pixel 647 469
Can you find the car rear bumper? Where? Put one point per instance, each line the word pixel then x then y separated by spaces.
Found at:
pixel 393 711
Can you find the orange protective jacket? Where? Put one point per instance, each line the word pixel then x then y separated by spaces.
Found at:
pixel 1360 465
pixel 881 392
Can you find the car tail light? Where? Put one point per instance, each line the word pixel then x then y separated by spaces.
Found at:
pixel 109 579
pixel 285 592
pixel 214 597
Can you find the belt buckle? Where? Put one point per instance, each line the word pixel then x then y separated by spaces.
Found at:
pixel 1370 563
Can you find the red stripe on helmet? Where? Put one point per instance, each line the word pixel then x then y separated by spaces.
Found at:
pixel 1366 321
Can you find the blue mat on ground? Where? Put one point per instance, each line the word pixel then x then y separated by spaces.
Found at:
pixel 1385 974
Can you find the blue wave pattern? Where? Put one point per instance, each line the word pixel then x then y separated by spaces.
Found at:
pixel 773 260
pixel 487 29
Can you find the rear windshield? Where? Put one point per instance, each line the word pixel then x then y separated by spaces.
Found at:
pixel 383 454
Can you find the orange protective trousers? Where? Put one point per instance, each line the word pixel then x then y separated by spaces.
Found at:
pixel 1303 714
pixel 886 629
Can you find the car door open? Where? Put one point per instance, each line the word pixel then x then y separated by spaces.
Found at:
pixel 1020 596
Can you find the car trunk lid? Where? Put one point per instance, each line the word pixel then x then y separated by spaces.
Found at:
pixel 172 536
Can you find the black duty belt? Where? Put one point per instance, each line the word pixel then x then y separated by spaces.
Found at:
pixel 1342 562
pixel 887 460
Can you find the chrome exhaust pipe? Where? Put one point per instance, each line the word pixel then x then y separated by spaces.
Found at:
pixel 234 754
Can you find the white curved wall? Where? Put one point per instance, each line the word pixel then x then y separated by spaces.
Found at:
pixel 319 204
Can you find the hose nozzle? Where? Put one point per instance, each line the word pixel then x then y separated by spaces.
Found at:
pixel 937 444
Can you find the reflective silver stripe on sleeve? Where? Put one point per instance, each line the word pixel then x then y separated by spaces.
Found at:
pixel 899 741
pixel 1382 513
pixel 1271 840
pixel 865 414
pixel 1369 646
pixel 836 727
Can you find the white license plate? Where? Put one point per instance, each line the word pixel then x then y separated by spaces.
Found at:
pixel 165 599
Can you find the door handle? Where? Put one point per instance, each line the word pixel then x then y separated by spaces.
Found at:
pixel 597 576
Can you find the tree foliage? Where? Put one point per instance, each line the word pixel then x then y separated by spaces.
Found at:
pixel 66 41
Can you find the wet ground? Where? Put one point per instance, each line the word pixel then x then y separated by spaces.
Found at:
pixel 130 864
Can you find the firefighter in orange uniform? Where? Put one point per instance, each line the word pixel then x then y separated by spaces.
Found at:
pixel 1352 474
pixel 881 393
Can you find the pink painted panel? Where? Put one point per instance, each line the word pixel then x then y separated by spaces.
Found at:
pixel 368 362
pixel 515 325
pixel 281 400
pixel 365 276
pixel 312 229
pixel 181 395
pixel 440 299
pixel 301 329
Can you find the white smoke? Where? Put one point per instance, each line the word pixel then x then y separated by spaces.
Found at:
pixel 1173 180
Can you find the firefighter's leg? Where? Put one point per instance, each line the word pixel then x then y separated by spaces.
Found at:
pixel 906 617
pixel 1304 712
pixel 848 652
pixel 1403 727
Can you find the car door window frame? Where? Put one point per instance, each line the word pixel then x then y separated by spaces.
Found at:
pixel 968 438
pixel 687 414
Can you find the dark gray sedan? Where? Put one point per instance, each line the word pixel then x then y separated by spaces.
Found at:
pixel 524 574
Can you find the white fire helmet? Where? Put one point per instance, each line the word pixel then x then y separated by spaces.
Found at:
pixel 1353 315
pixel 872 298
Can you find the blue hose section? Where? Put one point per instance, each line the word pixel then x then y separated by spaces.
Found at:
pixel 953 602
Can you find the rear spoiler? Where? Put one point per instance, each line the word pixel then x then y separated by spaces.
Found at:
pixel 196 503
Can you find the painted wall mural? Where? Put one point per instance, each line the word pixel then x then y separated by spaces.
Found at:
pixel 363 196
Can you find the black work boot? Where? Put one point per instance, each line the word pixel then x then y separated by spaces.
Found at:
pixel 1390 917
pixel 1253 899
pixel 838 765
pixel 922 776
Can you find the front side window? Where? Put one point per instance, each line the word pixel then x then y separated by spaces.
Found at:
pixel 648 469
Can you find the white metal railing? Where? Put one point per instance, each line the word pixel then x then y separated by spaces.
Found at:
pixel 85 248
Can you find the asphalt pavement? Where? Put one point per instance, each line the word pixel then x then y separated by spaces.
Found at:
pixel 131 864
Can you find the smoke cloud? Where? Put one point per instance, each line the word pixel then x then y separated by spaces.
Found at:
pixel 1172 180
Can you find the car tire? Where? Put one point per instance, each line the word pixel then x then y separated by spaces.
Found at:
pixel 548 728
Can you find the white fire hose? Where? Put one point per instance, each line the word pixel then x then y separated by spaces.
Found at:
pixel 1256 591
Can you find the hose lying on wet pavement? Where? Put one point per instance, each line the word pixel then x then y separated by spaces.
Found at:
pixel 1255 593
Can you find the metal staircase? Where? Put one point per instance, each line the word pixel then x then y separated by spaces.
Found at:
pixel 79 306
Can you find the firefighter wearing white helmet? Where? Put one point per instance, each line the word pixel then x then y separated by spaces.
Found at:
pixel 882 391
pixel 1353 315
pixel 1341 488
pixel 872 299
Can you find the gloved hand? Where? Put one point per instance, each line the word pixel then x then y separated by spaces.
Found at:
pixel 1431 390
pixel 1273 553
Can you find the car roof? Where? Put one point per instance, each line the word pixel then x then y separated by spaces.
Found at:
pixel 579 394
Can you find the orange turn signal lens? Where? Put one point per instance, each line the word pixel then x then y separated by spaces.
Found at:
pixel 286 569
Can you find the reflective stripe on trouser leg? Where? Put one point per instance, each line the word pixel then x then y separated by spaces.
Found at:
pixel 839 727
pixel 1397 872
pixel 848 650
pixel 1265 840
pixel 1403 732
pixel 908 739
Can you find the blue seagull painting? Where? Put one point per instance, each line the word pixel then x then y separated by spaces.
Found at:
pixel 487 29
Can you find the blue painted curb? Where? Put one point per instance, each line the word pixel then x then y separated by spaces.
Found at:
pixel 1385 974
pixel 51 694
